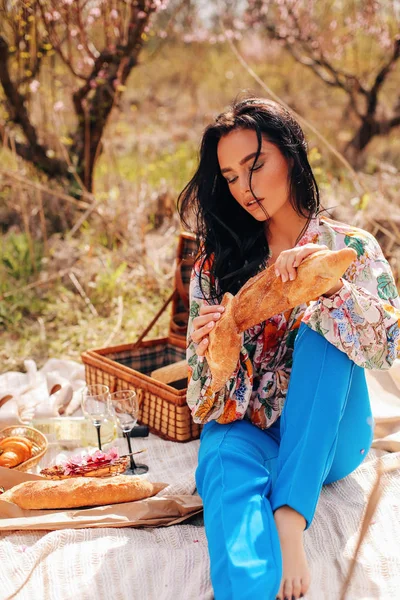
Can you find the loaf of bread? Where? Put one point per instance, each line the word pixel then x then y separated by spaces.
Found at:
pixel 80 491
pixel 264 296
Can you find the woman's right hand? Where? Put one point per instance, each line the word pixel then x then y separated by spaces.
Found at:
pixel 203 324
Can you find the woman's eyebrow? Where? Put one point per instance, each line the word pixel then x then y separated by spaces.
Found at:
pixel 244 160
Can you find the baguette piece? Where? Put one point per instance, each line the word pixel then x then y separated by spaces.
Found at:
pixel 264 296
pixel 172 372
pixel 80 491
pixel 224 348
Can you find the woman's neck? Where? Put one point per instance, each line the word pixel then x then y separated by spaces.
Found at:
pixel 285 227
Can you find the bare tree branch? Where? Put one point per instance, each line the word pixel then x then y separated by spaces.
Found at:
pixel 57 45
pixel 93 114
pixel 380 78
pixel 304 43
pixel 392 123
pixel 19 115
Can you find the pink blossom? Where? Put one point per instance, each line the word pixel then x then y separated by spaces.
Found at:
pixel 74 32
pixel 96 456
pixel 114 14
pixel 34 85
pixel 159 4
pixel 75 464
pixel 141 14
pixel 58 106
pixel 95 12
pixel 113 453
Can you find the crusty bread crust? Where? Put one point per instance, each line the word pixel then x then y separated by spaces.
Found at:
pixel 80 491
pixel 264 296
pixel 229 337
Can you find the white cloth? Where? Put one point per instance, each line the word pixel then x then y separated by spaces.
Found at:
pixel 172 563
pixel 39 394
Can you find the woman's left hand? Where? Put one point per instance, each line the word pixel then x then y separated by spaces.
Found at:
pixel 288 261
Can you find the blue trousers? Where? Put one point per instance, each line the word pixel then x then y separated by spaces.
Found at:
pixel 244 473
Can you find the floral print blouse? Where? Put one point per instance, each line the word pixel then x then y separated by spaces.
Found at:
pixel 362 319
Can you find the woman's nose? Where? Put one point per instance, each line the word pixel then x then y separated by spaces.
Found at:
pixel 244 184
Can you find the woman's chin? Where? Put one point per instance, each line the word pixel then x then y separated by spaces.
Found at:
pixel 257 212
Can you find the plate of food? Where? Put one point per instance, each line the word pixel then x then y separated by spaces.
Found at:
pixel 85 464
pixel 21 447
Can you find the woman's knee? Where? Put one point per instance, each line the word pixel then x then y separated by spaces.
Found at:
pixel 234 456
pixel 240 436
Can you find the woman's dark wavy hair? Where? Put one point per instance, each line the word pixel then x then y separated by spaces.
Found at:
pixel 227 231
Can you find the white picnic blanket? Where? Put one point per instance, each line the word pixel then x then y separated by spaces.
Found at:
pixel 171 563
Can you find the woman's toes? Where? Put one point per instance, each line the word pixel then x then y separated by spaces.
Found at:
pixel 305 584
pixel 296 589
pixel 287 590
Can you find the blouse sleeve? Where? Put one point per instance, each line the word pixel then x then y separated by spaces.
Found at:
pixel 363 318
pixel 230 403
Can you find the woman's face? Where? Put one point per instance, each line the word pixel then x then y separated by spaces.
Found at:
pixel 270 181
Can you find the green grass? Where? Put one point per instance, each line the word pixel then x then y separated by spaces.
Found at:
pixel 66 327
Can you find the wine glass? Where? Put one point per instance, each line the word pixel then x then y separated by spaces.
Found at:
pixel 124 407
pixel 95 405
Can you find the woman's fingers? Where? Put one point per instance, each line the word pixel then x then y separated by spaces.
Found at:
pixel 206 309
pixel 200 337
pixel 288 260
pixel 286 268
pixel 204 319
pixel 202 347
pixel 203 324
pixel 284 265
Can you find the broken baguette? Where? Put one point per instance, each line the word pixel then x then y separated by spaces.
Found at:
pixel 80 491
pixel 264 296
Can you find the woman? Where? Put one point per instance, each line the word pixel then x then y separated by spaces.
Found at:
pixel 295 414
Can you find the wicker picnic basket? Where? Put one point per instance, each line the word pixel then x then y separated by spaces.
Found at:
pixel 162 406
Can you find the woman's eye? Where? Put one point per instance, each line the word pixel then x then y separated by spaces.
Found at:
pixel 231 180
pixel 256 167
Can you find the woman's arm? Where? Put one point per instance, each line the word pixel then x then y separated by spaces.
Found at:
pixel 362 318
pixel 230 403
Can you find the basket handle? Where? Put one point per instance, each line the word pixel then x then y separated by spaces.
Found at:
pixel 158 315
pixel 180 286
pixel 179 292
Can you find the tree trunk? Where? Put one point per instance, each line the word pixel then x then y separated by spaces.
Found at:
pixel 368 129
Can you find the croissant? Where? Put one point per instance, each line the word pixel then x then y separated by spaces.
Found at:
pixel 14 450
pixel 264 296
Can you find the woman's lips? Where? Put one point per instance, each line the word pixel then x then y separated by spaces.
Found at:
pixel 253 204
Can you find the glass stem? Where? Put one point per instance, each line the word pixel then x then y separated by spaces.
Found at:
pixel 98 435
pixel 128 439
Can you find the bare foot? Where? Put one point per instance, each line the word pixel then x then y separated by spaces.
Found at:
pixel 296 576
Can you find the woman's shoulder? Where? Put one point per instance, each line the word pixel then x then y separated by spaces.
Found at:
pixel 345 231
